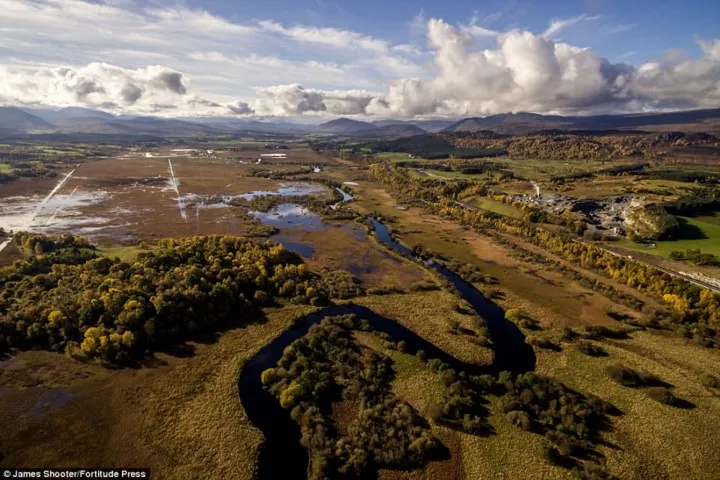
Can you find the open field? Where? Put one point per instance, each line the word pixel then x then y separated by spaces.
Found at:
pixel 180 414
pixel 430 315
pixel 547 295
pixel 651 189
pixel 134 198
pixel 349 249
pixel 181 417
pixel 541 170
pixel 647 435
pixel 641 442
pixel 696 233
pixel 493 206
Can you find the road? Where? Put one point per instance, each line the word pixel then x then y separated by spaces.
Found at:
pixel 672 273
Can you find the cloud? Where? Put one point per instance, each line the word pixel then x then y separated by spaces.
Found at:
pixel 418 22
pixel 240 108
pixel 96 84
pixel 284 100
pixel 559 24
pixel 331 37
pixel 525 72
pixel 130 93
pixel 187 61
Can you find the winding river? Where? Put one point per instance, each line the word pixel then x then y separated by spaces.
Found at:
pixel 282 456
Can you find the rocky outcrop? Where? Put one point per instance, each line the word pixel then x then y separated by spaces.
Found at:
pixel 651 222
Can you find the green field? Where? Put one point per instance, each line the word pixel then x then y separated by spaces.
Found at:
pixel 450 175
pixel 393 156
pixel 696 233
pixel 535 169
pixel 5 168
pixel 497 207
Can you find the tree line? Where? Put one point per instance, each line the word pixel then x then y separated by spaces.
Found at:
pixel 66 297
pixel 695 312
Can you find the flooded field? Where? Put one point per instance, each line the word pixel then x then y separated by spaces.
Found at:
pixel 143 196
pixel 139 198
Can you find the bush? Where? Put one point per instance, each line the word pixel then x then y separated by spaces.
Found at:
pixel 437 365
pixel 541 342
pixel 519 419
pixel 598 332
pixel 589 348
pixel 551 454
pixel 630 378
pixel 568 334
pixel 623 375
pixel 662 395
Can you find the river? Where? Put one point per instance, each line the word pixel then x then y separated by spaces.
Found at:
pixel 282 455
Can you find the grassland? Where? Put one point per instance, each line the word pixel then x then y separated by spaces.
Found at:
pixel 547 295
pixel 497 207
pixel 430 314
pixel 647 436
pixel 642 443
pixel 449 175
pixel 696 233
pixel 180 416
pixel 5 168
pixel 393 156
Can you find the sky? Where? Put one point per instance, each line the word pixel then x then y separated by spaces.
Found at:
pixel 370 59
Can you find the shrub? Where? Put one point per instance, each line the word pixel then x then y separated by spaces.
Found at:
pixel 551 454
pixel 662 395
pixel 623 375
pixel 630 378
pixel 568 334
pixel 437 365
pixel 589 348
pixel 598 332
pixel 541 342
pixel 421 355
pixel 519 419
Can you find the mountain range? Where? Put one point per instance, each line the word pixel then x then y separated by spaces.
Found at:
pixel 14 120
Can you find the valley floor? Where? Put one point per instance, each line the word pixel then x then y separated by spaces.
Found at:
pixel 181 416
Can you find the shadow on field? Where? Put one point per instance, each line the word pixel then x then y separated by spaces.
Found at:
pixel 210 336
pixel 689 232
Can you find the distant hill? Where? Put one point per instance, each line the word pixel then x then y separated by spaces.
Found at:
pixel 397 131
pixel 239 125
pixel 139 125
pixel 74 118
pixel 430 126
pixel 13 119
pixel 510 123
pixel 522 123
pixel 345 125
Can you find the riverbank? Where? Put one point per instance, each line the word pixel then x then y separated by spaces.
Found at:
pixel 180 417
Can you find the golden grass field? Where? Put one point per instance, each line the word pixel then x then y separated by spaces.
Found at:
pixel 550 297
pixel 182 417
pixel 651 440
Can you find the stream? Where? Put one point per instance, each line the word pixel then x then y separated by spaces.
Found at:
pixel 282 455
